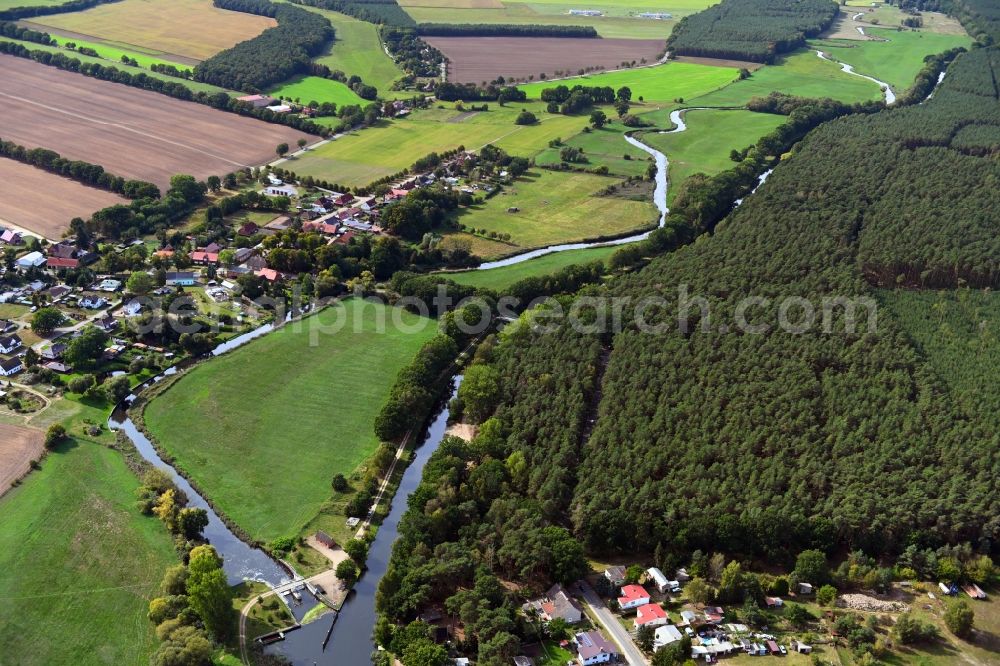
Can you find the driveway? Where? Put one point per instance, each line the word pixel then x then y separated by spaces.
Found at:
pixel 630 651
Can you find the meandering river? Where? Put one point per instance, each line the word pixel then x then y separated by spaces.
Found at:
pixel 350 641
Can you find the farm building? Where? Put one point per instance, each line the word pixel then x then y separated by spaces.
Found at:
pixel 31 260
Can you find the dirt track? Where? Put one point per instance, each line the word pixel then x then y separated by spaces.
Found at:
pixel 18 447
pixel 130 132
pixel 43 202
pixel 478 59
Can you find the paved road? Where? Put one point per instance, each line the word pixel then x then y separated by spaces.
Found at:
pixel 612 626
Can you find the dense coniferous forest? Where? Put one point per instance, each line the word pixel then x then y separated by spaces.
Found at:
pixel 756 441
pixel 383 12
pixel 273 56
pixel 503 30
pixel 754 30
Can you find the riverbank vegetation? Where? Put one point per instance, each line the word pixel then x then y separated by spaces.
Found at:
pixel 289 410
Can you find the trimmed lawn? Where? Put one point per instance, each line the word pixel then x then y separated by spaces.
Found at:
pixel 553 655
pixel 189 28
pixel 358 50
pixel 263 429
pixel 558 207
pixel 603 147
pixel 663 83
pixel 710 136
pixel 79 563
pixel 306 89
pixel 802 73
pixel 393 145
pixel 115 53
pixel 501 278
pixel 896 61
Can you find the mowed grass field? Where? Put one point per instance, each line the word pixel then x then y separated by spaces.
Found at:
pixel 619 20
pixel 195 86
pixel 896 61
pixel 558 207
pixel 358 50
pixel 501 278
pixel 801 73
pixel 78 563
pixel 710 136
pixel 603 147
pixel 306 89
pixel 111 52
pixel 264 429
pixel 663 83
pixel 394 145
pixel 189 28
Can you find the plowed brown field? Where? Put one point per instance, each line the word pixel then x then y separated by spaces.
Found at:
pixel 478 59
pixel 130 132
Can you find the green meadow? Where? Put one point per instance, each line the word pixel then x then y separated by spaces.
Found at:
pixel 393 145
pixel 661 83
pixel 287 412
pixel 557 207
pixel 501 278
pixel 358 50
pixel 602 147
pixel 801 73
pixel 78 563
pixel 306 89
pixel 195 86
pixel 895 61
pixel 115 52
pixel 710 136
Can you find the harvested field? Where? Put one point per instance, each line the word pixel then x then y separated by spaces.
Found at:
pixel 477 59
pixel 189 28
pixel 44 203
pixel 18 447
pixel 721 62
pixel 130 132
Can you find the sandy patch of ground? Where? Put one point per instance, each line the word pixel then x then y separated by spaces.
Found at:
pixel 18 447
pixel 335 555
pixel 465 431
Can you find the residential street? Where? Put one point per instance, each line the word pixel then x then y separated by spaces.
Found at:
pixel 614 628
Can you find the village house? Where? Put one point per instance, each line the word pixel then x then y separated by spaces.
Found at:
pixel 248 229
pixel 615 575
pixel 58 291
pixel 10 366
pixel 55 263
pixel 204 257
pixel 650 615
pixel 593 648
pixel 268 274
pixel 633 596
pixel 6 325
pixel 666 635
pixel 10 343
pixel 11 237
pixel 109 285
pixel 106 324
pixel 659 580
pixel 180 279
pixel 31 260
pixel 556 604
pixel 92 302
pixel 53 352
pixel 714 614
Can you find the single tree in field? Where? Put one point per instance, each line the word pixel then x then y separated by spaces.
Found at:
pixel 302 143
pixel 598 119
pixel 959 618
pixel 282 149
